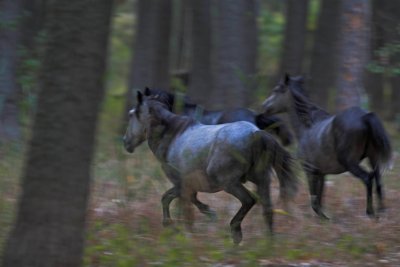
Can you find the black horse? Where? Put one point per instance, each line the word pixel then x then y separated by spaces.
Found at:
pixel 333 144
pixel 271 124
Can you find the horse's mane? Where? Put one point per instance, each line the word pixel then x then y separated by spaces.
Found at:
pixel 175 122
pixel 162 96
pixel 308 112
pixel 172 101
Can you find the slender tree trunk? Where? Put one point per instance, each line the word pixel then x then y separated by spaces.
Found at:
pixel 374 82
pixel 10 27
pixel 49 228
pixel 150 63
pixel 250 37
pixel 353 52
pixel 200 85
pixel 392 9
pixel 34 17
pixel 230 55
pixel 180 35
pixel 295 36
pixel 323 68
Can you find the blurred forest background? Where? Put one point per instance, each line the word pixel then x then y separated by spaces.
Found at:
pixel 69 71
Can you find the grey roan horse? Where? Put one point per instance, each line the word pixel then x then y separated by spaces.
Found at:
pixel 332 144
pixel 210 158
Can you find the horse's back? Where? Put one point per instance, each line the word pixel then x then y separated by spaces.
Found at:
pixel 198 142
pixel 203 152
pixel 237 114
pixel 350 120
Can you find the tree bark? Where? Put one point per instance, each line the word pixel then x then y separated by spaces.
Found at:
pixel 250 37
pixel 10 36
pixel 49 228
pixel 200 85
pixel 295 36
pixel 374 82
pixel 323 68
pixel 230 53
pixel 391 25
pixel 150 63
pixel 353 51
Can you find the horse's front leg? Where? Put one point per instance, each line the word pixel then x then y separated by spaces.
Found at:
pixel 241 193
pixel 316 183
pixel 166 200
pixel 204 208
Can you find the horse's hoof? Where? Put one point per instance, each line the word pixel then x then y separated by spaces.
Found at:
pixel 323 216
pixel 371 213
pixel 237 237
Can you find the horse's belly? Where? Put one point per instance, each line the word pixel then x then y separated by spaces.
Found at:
pixel 321 156
pixel 198 181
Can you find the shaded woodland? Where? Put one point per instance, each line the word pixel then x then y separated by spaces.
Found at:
pixel 69 73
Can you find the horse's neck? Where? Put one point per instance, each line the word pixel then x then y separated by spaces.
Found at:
pixel 305 119
pixel 298 126
pixel 161 134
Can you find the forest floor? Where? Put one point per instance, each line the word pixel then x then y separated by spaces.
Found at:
pixel 124 219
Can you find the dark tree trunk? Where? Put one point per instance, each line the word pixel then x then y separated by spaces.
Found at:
pixel 200 85
pixel 180 35
pixel 391 25
pixel 323 68
pixel 250 37
pixel 49 228
pixel 353 52
pixel 34 17
pixel 230 53
pixel 150 64
pixel 374 82
pixel 295 36
pixel 10 35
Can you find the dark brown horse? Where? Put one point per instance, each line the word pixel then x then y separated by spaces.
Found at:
pixel 332 144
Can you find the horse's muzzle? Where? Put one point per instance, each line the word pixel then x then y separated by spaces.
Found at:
pixel 128 146
pixel 130 149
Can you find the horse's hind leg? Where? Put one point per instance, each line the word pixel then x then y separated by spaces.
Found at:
pixel 241 193
pixel 360 173
pixel 166 200
pixel 205 209
pixel 376 173
pixel 263 190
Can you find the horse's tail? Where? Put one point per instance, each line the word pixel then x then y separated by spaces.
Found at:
pixel 379 138
pixel 274 125
pixel 282 163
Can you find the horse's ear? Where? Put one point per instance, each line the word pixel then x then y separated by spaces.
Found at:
pixel 139 97
pixel 286 79
pixel 147 91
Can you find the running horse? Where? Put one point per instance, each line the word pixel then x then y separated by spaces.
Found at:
pixel 333 144
pixel 210 158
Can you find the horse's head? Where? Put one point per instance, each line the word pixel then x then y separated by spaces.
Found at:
pixel 280 99
pixel 138 124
